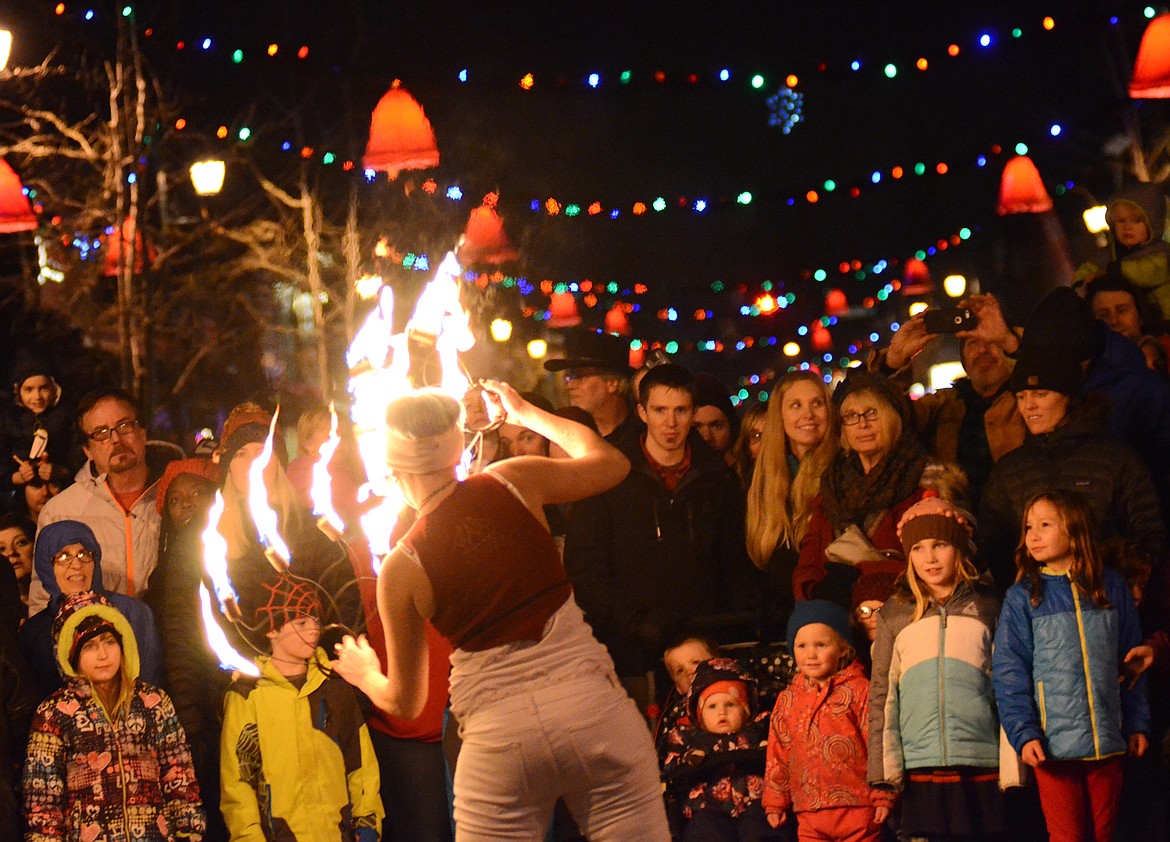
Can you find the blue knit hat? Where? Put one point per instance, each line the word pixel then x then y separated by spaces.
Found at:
pixel 812 611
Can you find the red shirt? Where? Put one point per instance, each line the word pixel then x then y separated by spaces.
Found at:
pixel 494 569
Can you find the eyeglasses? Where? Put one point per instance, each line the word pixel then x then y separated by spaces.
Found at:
pixel 122 428
pixel 82 557
pixel 573 374
pixel 864 612
pixel 849 419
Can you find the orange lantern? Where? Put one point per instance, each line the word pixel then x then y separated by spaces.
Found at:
pixel 915 279
pixel 836 303
pixel 822 340
pixel 1151 71
pixel 15 213
pixel 484 240
pixel 144 253
pixel 562 309
pixel 1021 189
pixel 401 137
pixel 617 321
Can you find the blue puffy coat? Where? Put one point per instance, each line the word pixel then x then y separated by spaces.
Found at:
pixel 1056 667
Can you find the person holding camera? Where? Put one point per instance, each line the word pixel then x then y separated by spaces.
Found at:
pixel 974 422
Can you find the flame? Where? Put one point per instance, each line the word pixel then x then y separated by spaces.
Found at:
pixel 379 365
pixel 229 658
pixel 215 563
pixel 262 514
pixel 321 491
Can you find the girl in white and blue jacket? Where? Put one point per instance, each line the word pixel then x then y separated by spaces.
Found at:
pixel 1064 631
pixel 933 729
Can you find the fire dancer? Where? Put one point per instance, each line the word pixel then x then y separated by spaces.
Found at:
pixel 543 714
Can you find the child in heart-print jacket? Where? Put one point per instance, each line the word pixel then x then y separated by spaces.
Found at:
pixel 107 759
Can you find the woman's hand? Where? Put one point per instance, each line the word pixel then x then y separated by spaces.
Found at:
pixel 356 661
pixel 1033 753
pixel 1138 743
pixel 1137 660
pixel 506 399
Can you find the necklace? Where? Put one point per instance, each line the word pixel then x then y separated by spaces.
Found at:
pixel 434 494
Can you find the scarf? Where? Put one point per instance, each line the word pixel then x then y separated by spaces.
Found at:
pixel 851 496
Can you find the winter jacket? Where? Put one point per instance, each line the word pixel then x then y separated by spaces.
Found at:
pixel 644 561
pixel 18 701
pixel 1139 403
pixel 931 703
pixel 17 429
pixel 90 775
pixel 940 419
pixel 817 744
pixel 815 577
pixel 1146 265
pixel 126 568
pixel 297 764
pixel 1055 669
pixel 36 635
pixel 1074 457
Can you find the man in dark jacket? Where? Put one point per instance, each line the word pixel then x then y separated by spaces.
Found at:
pixel 663 552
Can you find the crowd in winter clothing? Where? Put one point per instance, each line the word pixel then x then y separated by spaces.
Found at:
pixel 843 613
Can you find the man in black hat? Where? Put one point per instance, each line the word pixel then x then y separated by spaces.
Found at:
pixel 596 368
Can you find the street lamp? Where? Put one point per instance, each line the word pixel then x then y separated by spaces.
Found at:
pixel 955 285
pixel 207 177
pixel 1095 219
pixel 5 47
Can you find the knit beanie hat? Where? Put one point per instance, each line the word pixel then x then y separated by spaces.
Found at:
pixel 1048 369
pixel 812 611
pixel 877 587
pixel 288 599
pixel 246 424
pixel 204 468
pixel 1061 326
pixel 859 379
pixel 933 517
pixel 722 675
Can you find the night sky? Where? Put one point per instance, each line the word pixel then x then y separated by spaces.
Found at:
pixel 709 139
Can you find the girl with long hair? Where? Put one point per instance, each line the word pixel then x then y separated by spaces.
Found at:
pixel 1066 626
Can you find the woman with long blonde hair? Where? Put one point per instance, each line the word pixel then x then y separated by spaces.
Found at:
pixel 798 445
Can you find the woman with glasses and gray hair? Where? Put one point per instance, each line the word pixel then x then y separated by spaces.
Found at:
pixel 68 560
pixel 880 471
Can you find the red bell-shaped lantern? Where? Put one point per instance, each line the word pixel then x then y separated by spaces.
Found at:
pixel 836 303
pixel 916 278
pixel 484 240
pixel 144 253
pixel 617 321
pixel 1021 190
pixel 822 340
pixel 637 356
pixel 15 213
pixel 401 137
pixel 562 310
pixel 1151 71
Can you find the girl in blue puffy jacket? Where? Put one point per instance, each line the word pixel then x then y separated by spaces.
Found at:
pixel 1065 628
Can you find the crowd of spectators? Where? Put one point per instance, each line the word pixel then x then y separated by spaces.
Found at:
pixel 792 593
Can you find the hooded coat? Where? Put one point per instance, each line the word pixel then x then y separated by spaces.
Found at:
pixel 297 764
pixel 121 775
pixel 36 635
pixel 1145 265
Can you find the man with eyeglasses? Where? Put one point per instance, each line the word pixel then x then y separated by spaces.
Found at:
pixel 113 494
pixel 596 368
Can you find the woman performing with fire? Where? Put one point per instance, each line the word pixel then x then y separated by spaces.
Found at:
pixel 543 716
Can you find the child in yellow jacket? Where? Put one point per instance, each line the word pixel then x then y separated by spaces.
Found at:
pixel 296 761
